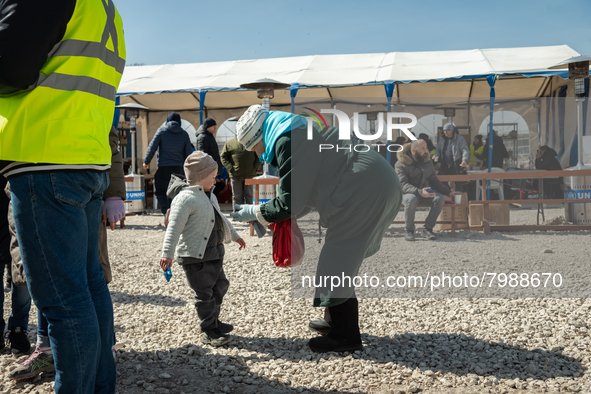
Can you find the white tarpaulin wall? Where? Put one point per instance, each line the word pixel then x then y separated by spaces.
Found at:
pixel 445 77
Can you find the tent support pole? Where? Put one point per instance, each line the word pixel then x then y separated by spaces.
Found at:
pixel 202 93
pixel 390 86
pixel 492 79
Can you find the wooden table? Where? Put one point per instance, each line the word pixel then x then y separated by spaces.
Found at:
pixel 257 183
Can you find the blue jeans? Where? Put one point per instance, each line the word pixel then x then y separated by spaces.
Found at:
pixel 57 217
pixel 21 304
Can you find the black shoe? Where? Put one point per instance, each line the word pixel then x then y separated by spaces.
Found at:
pixel 429 234
pixel 320 326
pixel 327 344
pixel 215 338
pixel 409 236
pixel 225 328
pixel 19 343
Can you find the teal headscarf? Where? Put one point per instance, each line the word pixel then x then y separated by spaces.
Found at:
pixel 276 124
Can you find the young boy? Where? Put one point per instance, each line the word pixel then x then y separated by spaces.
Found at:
pixel 198 230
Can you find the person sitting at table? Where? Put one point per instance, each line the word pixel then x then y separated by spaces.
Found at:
pixel 417 175
pixel 546 160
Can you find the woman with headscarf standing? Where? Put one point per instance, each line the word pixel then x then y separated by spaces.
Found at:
pixel 357 195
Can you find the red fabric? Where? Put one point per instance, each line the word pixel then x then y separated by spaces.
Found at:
pixel 288 243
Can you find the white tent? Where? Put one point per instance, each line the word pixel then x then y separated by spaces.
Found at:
pixel 421 79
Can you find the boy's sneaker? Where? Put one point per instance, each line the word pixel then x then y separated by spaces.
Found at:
pixel 215 338
pixel 19 343
pixel 37 363
pixel 225 328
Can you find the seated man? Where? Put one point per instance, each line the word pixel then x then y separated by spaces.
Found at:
pixel 546 160
pixel 417 175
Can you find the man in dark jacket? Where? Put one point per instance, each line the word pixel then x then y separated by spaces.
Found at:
pixel 499 152
pixel 417 176
pixel 173 145
pixel 546 160
pixel 206 141
pixel 241 165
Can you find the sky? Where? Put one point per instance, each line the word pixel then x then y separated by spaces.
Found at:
pixel 195 31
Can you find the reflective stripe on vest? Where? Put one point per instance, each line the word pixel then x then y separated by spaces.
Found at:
pixel 65 117
pixel 87 49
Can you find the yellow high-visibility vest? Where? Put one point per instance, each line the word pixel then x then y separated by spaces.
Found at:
pixel 66 116
pixel 473 160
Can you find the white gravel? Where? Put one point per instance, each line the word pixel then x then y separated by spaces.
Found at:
pixel 430 345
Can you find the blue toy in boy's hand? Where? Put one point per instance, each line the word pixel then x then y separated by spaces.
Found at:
pixel 168 274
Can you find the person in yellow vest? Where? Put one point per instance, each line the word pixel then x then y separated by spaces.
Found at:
pixel 476 149
pixel 60 66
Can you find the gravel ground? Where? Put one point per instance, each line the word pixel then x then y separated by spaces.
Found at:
pixel 451 345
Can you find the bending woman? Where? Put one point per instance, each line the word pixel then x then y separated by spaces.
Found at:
pixel 357 195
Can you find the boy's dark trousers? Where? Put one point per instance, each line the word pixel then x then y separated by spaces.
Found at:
pixel 208 280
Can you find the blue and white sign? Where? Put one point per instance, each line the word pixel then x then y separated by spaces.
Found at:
pixel 139 195
pixel 577 194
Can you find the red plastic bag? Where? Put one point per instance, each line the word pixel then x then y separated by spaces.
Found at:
pixel 288 243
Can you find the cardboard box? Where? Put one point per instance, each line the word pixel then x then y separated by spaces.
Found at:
pixel 461 215
pixel 499 215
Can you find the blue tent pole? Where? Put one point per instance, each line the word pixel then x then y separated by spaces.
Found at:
pixel 491 82
pixel 293 91
pixel 202 93
pixel 389 86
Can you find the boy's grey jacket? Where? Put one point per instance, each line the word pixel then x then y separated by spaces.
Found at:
pixel 191 221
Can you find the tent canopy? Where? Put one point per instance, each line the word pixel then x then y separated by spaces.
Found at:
pixel 421 81
pixel 523 72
